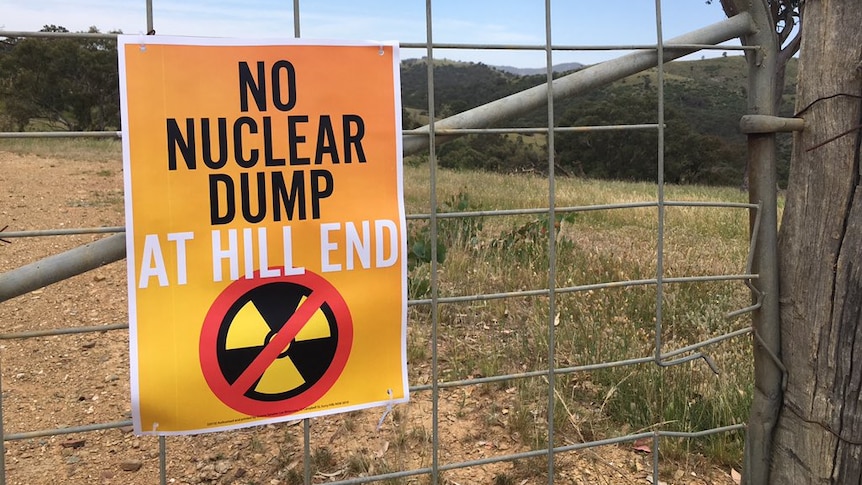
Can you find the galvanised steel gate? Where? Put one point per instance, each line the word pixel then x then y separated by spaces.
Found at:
pixel 759 272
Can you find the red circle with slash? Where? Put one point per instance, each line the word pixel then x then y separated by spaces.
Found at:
pixel 274 346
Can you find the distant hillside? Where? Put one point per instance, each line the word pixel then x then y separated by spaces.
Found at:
pixel 704 101
pixel 521 71
pixel 459 86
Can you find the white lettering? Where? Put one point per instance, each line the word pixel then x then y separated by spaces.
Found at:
pixel 382 260
pixel 263 255
pixel 182 267
pixel 153 263
pixel 289 269
pixel 327 247
pixel 219 255
pixel 359 247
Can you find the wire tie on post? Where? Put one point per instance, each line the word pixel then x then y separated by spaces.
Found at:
pixel 775 360
pixel 711 363
pixel 388 409
pixel 5 240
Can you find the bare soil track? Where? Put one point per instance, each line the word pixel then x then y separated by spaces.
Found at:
pixel 58 381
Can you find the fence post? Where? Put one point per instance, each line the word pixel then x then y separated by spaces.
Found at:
pixel 766 401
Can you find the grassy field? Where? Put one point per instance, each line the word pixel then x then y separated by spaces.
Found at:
pixel 496 254
pixel 95 149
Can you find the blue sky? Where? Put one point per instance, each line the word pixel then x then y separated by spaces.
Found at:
pixel 575 22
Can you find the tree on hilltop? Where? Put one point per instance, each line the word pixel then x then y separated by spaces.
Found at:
pixel 66 83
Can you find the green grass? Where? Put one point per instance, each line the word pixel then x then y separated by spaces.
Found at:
pixel 500 336
pixel 95 149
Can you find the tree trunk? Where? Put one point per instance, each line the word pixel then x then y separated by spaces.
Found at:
pixel 818 438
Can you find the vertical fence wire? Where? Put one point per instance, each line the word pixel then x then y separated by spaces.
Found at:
pixel 306 451
pixel 151 29
pixel 296 31
pixel 2 437
pixel 435 283
pixel 552 245
pixel 659 300
pixel 163 460
pixel 306 423
pixel 163 446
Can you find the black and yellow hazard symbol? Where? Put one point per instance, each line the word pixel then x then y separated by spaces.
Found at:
pixel 275 345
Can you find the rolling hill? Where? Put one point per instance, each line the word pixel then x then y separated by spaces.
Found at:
pixel 704 101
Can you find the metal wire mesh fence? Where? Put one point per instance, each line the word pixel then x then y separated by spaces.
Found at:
pixel 543 385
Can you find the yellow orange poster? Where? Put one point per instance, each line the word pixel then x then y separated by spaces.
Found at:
pixel 265 230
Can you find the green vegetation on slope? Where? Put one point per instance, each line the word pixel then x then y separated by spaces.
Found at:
pixel 704 101
pixel 64 83
pixel 71 84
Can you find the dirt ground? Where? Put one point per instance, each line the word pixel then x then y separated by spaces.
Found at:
pixel 58 381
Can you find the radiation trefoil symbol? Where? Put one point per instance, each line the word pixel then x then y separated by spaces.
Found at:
pixel 274 346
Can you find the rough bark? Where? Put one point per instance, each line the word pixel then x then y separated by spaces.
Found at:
pixel 818 439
